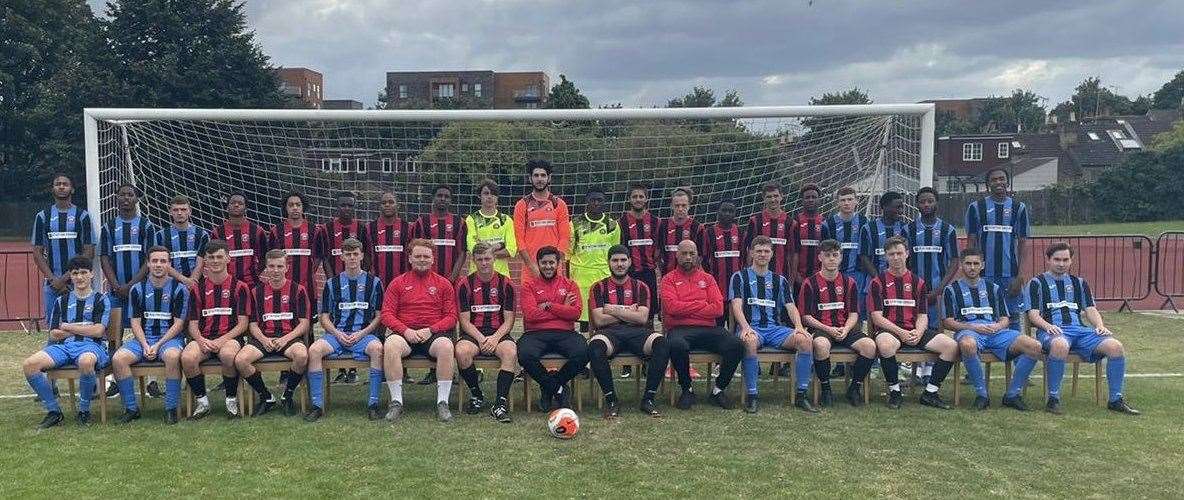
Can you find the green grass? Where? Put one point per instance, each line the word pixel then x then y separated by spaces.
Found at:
pixel 1151 229
pixel 913 452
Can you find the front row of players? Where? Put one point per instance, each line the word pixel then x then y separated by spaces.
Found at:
pixel 420 310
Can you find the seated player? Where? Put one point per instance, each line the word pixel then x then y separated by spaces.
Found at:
pixel 758 298
pixel 1057 302
pixel 897 303
pixel 278 325
pixel 691 303
pixel 77 334
pixel 350 304
pixel 829 309
pixel 977 310
pixel 620 314
pixel 486 317
pixel 218 318
pixel 550 306
pixel 158 307
pixel 419 308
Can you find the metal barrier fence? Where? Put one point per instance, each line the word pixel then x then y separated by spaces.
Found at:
pixel 20 289
pixel 1169 267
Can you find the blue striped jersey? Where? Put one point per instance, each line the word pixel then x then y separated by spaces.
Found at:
pixel 353 302
pixel 70 308
pixel 932 249
pixel 126 243
pixel 873 236
pixel 765 296
pixel 157 307
pixel 62 234
pixel 185 246
pixel 982 302
pixel 1059 300
pixel 847 233
pixel 997 226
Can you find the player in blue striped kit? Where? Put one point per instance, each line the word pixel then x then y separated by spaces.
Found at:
pixel 123 250
pixel 186 242
pixel 1058 300
pixel 933 257
pixel 158 307
pixel 60 232
pixel 877 231
pixel 845 227
pixel 998 226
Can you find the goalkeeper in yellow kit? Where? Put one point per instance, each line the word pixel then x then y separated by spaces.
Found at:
pixel 592 234
pixel 492 227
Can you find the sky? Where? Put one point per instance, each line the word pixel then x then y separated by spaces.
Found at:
pixel 644 52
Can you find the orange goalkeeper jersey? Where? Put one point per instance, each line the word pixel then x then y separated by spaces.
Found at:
pixel 541 223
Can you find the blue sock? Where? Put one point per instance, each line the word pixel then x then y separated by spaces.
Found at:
pixel 1056 373
pixel 127 392
pixel 316 386
pixel 376 378
pixel 751 372
pixel 86 389
pixel 172 393
pixel 40 384
pixel 974 369
pixel 1115 371
pixel 1023 369
pixel 803 367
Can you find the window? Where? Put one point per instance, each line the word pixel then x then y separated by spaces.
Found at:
pixel 476 90
pixel 360 165
pixel 1004 150
pixel 972 151
pixel 402 91
pixel 331 165
pixel 388 166
pixel 530 105
pixel 1093 136
pixel 464 88
pixel 1116 134
pixel 445 90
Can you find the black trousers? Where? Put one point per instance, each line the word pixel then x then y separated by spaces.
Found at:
pixel 709 338
pixel 571 345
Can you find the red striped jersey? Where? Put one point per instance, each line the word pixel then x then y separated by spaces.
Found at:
pixel 334 234
pixel 670 234
pixel 899 298
pixel 447 235
pixel 723 251
pixel 807 233
pixel 829 301
pixel 300 244
pixel 485 301
pixel 608 293
pixel 278 310
pixel 246 244
pixel 637 233
pixel 216 306
pixel 387 257
pixel 779 229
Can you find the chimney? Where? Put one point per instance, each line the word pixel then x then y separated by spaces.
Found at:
pixel 1072 116
pixel 1067 135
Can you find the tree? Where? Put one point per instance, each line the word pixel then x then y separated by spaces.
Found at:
pixel 1170 95
pixel 704 97
pixel 851 96
pixel 1144 187
pixel 1019 112
pixel 1092 99
pixel 565 95
pixel 1173 138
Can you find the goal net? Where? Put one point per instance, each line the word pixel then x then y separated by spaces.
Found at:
pixel 721 153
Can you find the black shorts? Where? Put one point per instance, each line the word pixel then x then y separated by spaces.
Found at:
pixel 241 340
pixel 278 352
pixel 630 339
pixel 926 337
pixel 421 349
pixel 464 337
pixel 848 341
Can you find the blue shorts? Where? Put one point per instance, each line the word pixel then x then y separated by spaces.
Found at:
pixel 998 344
pixel 120 303
pixel 1016 304
pixel 134 347
pixel 358 349
pixel 772 336
pixel 67 353
pixel 1083 341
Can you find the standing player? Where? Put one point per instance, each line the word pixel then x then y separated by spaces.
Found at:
pixel 773 223
pixel 218 318
pixel 488 225
pixel 898 308
pixel 186 242
pixel 278 325
pixel 123 251
pixel 691 304
pixel 342 227
pixel 977 310
pixel 540 218
pixel 419 308
pixel 299 238
pixel 246 241
pixel 447 234
pixel 998 226
pixel 1058 302
pixel 845 227
pixel 638 228
pixel 678 228
pixel 550 306
pixel 487 303
pixel 723 248
pixel 391 234
pixel 806 233
pixel 620 315
pixel 76 332
pixel 877 232
pixel 592 234
pixel 350 305
pixel 827 303
pixel 158 307
pixel 933 256
pixel 758 299
pixel 61 232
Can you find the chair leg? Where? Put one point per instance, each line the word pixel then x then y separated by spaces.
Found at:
pixel 1076 370
pixel 1006 375
pixel 957 383
pixel 815 386
pixel 143 398
pixel 1098 383
pixel 73 402
pixel 987 381
pixel 867 390
pixel 102 397
pixel 526 392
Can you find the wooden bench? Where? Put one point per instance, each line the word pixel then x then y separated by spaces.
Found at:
pixel 1076 361
pixel 210 368
pixel 70 374
pixel 987 359
pixel 552 362
pixel 272 364
pixel 634 362
pixel 485 364
pixel 347 362
pixel 843 355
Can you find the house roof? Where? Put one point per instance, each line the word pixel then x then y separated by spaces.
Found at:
pixel 1106 141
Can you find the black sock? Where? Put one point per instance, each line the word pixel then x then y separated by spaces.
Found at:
pixel 197 385
pixel 862 367
pixel 471 377
pixel 822 371
pixel 256 382
pixel 598 358
pixel 656 368
pixel 941 368
pixel 293 381
pixel 504 380
pixel 890 368
pixel 230 385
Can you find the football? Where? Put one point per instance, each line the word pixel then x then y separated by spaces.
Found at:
pixel 563 423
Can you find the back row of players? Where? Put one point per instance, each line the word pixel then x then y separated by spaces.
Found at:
pixel 614 263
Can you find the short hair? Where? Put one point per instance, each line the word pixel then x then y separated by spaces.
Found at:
pixel 135 189
pixel 594 190
pixel 420 242
pixel 895 241
pixel 640 187
pixel 548 250
pixel 929 190
pixel 987 176
pixel 79 262
pixel 284 202
pixel 810 187
pixel 157 248
pixel 275 253
pixel 482 247
pixel 351 244
pixel 829 245
pixel 61 175
pixel 491 185
pixel 442 186
pixel 180 200
pixel 972 252
pixel 844 191
pixel 683 190
pixel 760 240
pixel 618 250
pixel 889 197
pixel 771 186
pixel 1057 247
pixel 240 194
pixel 345 194
pixel 538 163
pixel 216 245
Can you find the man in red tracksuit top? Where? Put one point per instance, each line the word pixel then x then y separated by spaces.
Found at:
pixel 419 308
pixel 691 302
pixel 550 306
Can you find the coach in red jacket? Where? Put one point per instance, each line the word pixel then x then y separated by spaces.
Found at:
pixel 691 302
pixel 419 308
pixel 550 306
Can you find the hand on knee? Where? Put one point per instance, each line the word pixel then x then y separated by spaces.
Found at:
pixel 968 346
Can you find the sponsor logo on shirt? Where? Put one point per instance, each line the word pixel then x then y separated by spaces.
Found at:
pixel 281 316
pixel 641 242
pixel 727 253
pixel 753 301
pixel 297 252
pixel 246 252
pixel 926 249
pixel 485 308
pixel 157 315
pixel 997 228
pixel 830 306
pixel 215 311
pixel 62 235
pixel 900 302
pixel 127 248
pixel 967 311
pixel 388 248
pixel 347 306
